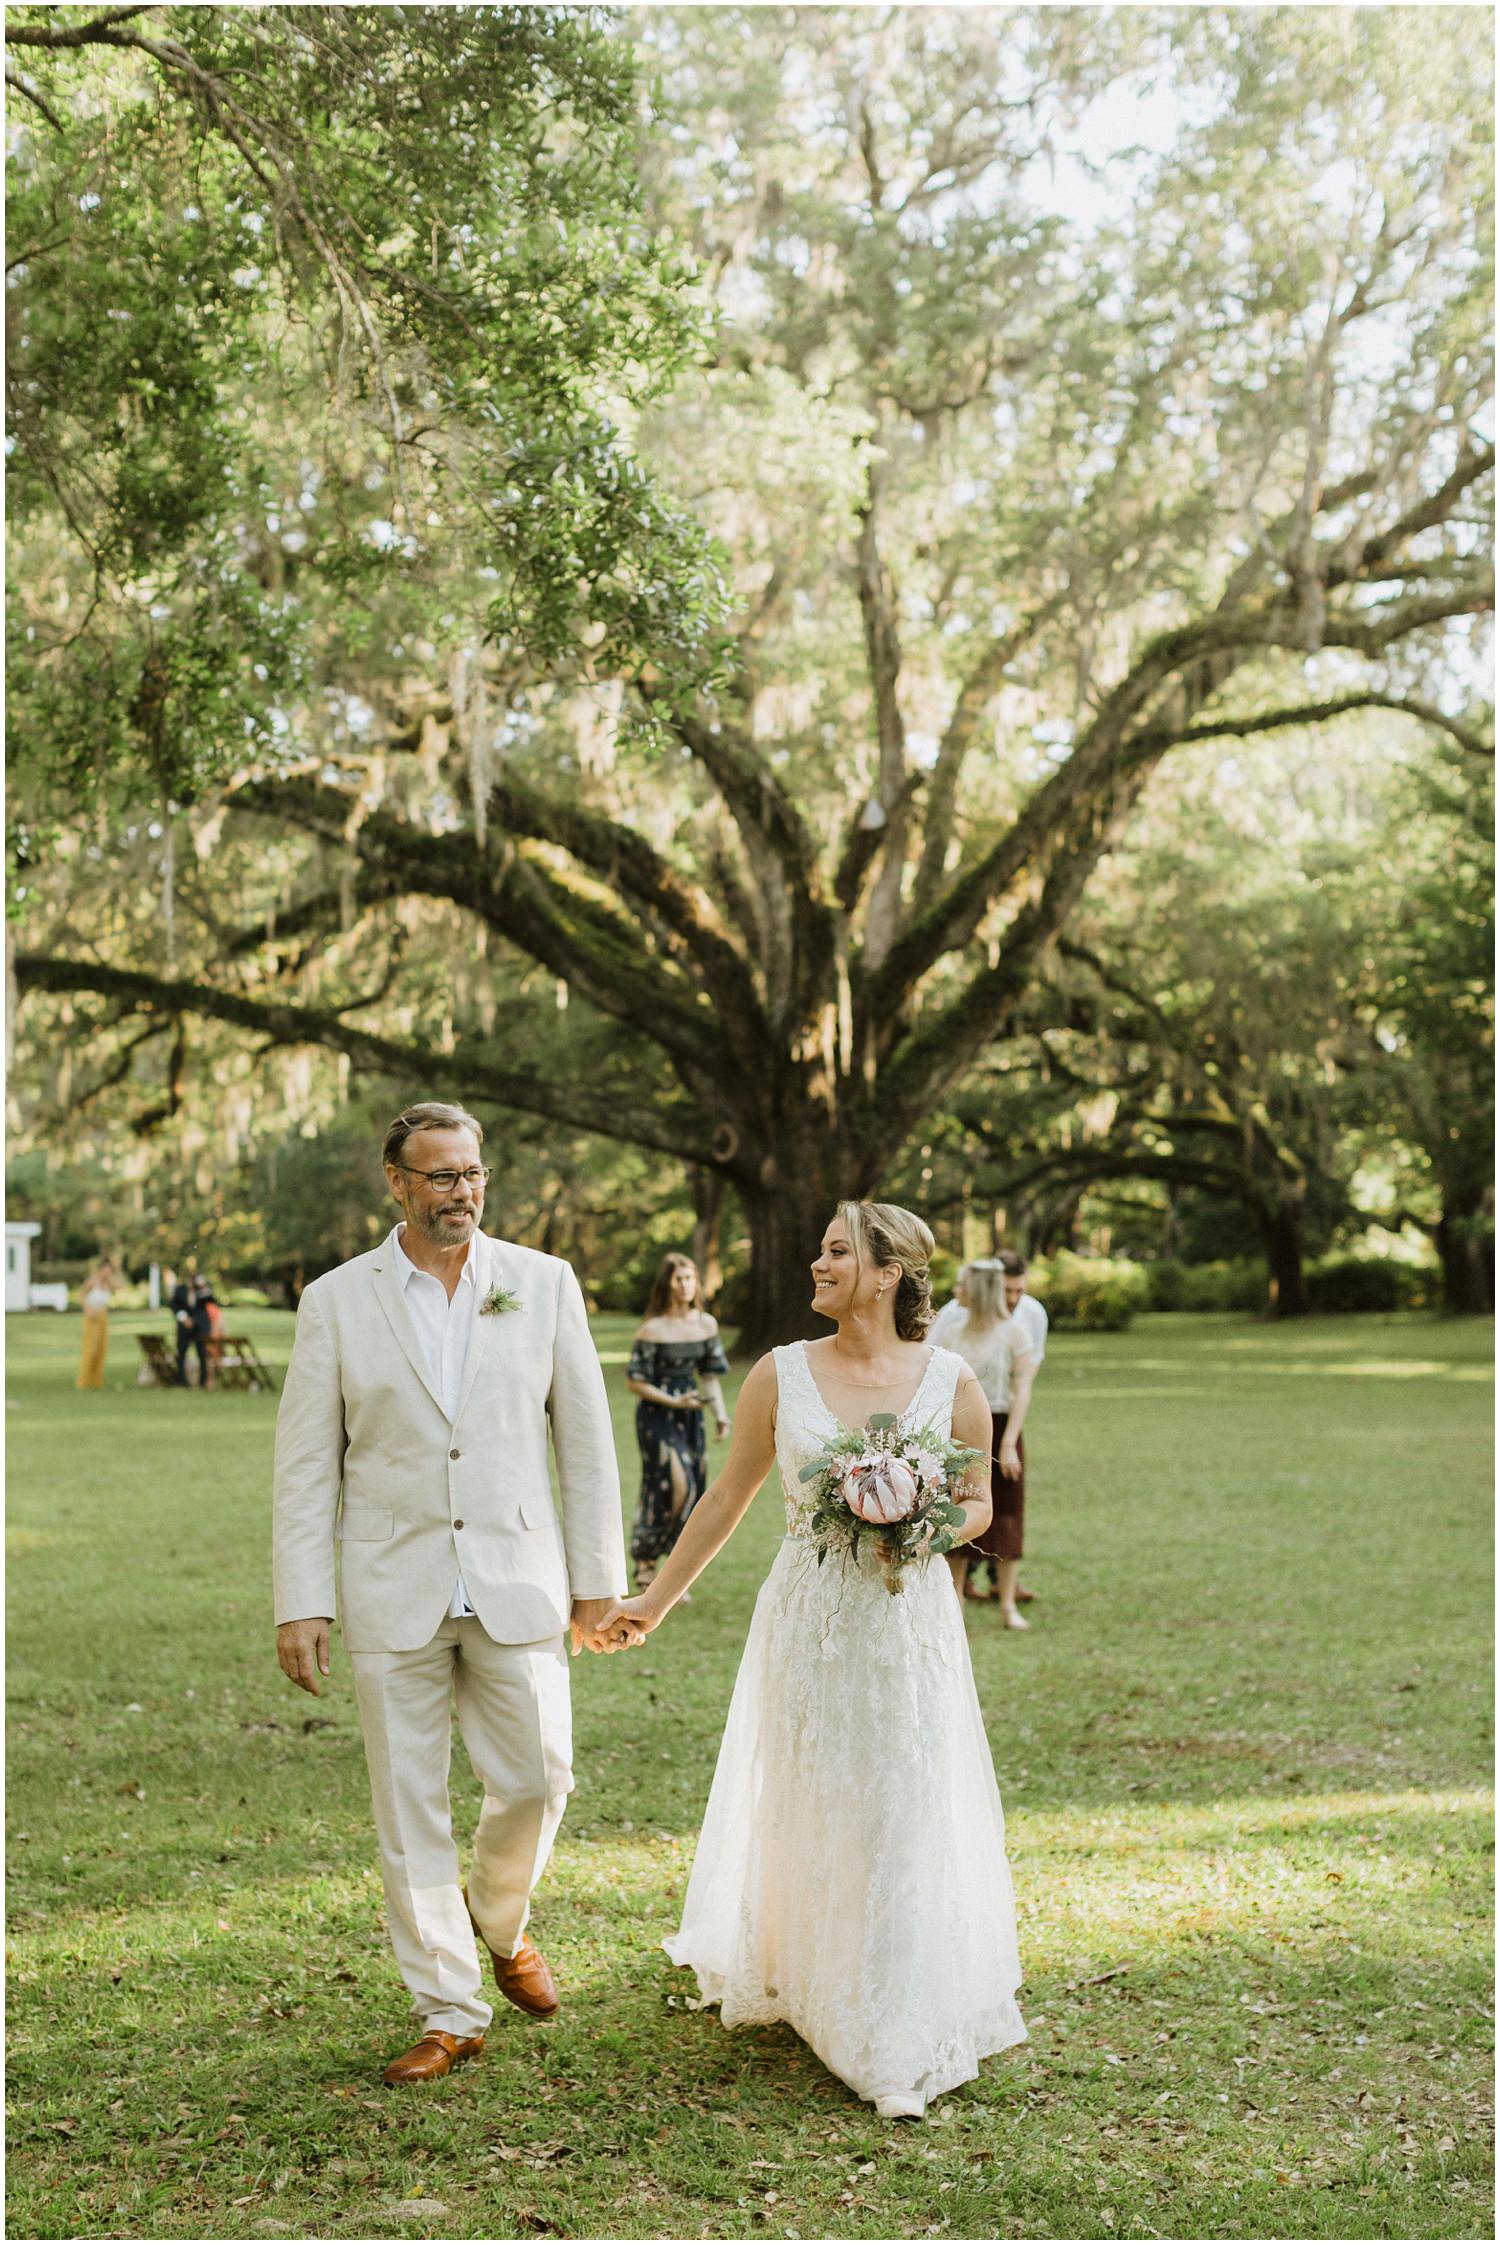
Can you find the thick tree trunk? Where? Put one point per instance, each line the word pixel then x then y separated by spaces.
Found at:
pixel 1466 1250
pixel 708 1187
pixel 787 1206
pixel 1281 1237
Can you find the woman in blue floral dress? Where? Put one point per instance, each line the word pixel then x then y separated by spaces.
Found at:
pixel 676 1363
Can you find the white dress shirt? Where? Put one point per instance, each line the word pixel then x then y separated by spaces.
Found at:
pixel 1033 1323
pixel 444 1327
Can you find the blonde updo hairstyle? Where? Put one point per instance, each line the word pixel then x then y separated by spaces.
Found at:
pixel 884 1234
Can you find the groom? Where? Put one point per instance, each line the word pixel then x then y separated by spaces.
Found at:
pixel 412 1437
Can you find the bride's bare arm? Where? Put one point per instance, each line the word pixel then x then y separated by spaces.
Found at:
pixel 973 1426
pixel 722 1506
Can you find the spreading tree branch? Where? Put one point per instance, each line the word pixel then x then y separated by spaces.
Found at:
pixel 578 937
pixel 877 607
pixel 1311 713
pixel 791 927
pixel 98 31
pixel 625 860
pixel 1201 656
pixel 33 93
pixel 469 1069
pixel 983 682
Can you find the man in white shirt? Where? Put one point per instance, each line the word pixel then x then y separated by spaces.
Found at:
pixel 1021 1304
pixel 412 1439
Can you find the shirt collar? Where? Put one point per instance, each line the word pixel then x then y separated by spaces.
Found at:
pixel 407 1270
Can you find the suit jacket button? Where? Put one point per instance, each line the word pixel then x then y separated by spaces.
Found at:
pixel 458 1523
pixel 453 1453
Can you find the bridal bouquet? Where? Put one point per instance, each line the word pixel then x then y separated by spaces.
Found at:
pixel 893 1488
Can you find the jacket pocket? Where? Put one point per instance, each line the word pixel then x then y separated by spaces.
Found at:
pixel 536 1512
pixel 358 1524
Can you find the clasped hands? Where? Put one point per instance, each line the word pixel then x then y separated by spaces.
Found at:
pixel 603 1625
pixel 609 1625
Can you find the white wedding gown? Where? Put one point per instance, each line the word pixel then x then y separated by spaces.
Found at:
pixel 851 1876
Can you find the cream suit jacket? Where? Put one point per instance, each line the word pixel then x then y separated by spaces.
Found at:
pixel 368 1460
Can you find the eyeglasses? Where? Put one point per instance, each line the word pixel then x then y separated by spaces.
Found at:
pixel 444 1180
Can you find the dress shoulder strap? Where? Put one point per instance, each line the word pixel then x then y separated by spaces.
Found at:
pixel 945 1372
pixel 789 1363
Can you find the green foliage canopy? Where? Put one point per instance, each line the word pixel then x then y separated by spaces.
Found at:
pixel 308 305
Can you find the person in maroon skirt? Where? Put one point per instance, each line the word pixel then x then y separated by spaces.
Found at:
pixel 978 1327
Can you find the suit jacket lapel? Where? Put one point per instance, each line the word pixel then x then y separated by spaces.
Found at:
pixel 485 1276
pixel 393 1301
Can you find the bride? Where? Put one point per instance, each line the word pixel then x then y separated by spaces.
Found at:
pixel 851 1876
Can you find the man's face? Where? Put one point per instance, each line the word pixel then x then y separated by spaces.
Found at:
pixel 1015 1287
pixel 446 1214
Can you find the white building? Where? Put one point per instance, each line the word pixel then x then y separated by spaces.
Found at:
pixel 18 1239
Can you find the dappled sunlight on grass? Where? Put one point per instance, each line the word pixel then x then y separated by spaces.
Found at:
pixel 1244 1751
pixel 1288 1366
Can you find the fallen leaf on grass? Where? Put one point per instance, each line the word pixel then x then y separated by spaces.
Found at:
pixel 133 1787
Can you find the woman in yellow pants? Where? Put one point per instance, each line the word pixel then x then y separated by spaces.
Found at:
pixel 97 1289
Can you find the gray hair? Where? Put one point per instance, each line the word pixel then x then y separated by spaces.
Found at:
pixel 427 1114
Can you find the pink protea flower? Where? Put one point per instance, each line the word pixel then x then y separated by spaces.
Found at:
pixel 881 1489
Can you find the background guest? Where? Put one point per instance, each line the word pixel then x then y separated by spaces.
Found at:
pixel 1022 1303
pixel 215 1339
pixel 191 1299
pixel 676 1363
pixel 97 1289
pixel 980 1328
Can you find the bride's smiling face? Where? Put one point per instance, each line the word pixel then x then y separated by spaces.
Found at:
pixel 839 1285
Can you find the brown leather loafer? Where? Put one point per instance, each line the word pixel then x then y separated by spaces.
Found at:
pixel 435 2055
pixel 524 1979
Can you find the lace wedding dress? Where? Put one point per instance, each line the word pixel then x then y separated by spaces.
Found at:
pixel 851 1876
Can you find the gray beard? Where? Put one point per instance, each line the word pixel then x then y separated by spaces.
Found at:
pixel 432 1224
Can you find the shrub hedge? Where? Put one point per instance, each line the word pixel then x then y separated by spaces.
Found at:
pixel 1090 1293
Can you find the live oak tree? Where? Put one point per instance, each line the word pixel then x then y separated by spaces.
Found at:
pixel 1433 1011
pixel 1228 1056
pixel 1278 999
pixel 1017 505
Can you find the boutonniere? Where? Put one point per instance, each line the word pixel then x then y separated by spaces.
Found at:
pixel 498 1300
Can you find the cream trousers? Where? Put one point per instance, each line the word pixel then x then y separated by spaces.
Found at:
pixel 515 1715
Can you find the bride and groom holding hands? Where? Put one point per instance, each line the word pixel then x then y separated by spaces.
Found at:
pixel 850 1879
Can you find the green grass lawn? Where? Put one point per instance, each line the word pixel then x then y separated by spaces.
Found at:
pixel 1245 1753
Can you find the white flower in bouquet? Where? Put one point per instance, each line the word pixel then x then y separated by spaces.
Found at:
pixel 881 1489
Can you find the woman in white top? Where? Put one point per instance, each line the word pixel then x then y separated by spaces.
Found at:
pixel 97 1289
pixel 978 1327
